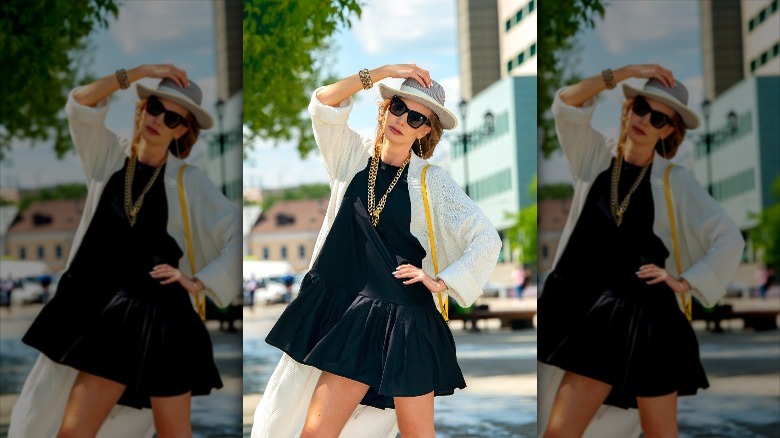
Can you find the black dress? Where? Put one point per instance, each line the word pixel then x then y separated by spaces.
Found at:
pixel 353 318
pixel 110 318
pixel 598 319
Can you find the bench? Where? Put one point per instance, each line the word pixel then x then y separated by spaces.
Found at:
pixel 756 319
pixel 514 319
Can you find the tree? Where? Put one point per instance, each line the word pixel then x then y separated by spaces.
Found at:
pixel 560 21
pixel 41 44
pixel 286 43
pixel 766 235
pixel 303 191
pixel 522 235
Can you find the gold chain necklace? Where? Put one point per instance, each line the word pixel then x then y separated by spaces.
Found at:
pixel 132 209
pixel 373 209
pixel 619 210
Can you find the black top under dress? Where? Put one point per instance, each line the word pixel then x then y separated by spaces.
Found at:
pixel 110 318
pixel 598 319
pixel 353 318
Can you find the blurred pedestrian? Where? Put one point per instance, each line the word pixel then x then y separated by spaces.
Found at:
pixel 45 282
pixel 766 276
pixel 518 279
pixel 121 328
pixel 609 319
pixel 6 292
pixel 372 278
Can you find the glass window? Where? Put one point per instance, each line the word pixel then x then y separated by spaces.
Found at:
pixel 776 49
pixel 509 65
pixel 545 251
pixel 761 16
pixel 283 252
pixel 520 58
pixel 301 252
pixel 773 7
pixel 58 251
pixel 764 58
pixel 41 252
pixel 533 49
pixel 752 24
pixel 752 65
pixel 532 5
pixel 22 253
pixel 508 25
pixel 265 253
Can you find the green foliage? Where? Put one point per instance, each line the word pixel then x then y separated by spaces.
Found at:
pixel 42 44
pixel 303 191
pixel 286 48
pixel 766 235
pixel 555 191
pixel 561 20
pixel 522 235
pixel 62 191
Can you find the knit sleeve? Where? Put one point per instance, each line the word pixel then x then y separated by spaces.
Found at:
pixel 584 148
pixel 339 144
pixel 98 147
pixel 463 225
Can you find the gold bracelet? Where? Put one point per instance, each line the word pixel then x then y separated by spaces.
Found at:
pixel 365 79
pixel 609 78
pixel 121 77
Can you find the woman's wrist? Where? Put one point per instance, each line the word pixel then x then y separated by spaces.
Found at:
pixel 378 73
pixel 439 285
pixel 622 73
pixel 137 73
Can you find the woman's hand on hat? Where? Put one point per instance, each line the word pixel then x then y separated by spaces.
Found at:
pixel 170 71
pixel 170 275
pixel 654 275
pixel 404 71
pixel 648 71
pixel 417 275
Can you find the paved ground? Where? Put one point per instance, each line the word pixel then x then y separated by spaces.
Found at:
pixel 215 416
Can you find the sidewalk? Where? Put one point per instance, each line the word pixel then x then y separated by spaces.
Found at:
pixel 214 416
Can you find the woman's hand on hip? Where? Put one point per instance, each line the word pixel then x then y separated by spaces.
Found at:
pixel 170 275
pixel 417 275
pixel 656 275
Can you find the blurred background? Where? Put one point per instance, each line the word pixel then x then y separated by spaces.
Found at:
pixel 47 49
pixel 484 54
pixel 727 53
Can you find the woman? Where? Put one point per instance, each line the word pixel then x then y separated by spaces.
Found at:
pixel 365 316
pixel 610 328
pixel 122 328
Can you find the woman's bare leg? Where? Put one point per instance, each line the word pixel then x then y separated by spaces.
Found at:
pixel 89 403
pixel 658 416
pixel 576 402
pixel 333 401
pixel 172 416
pixel 415 416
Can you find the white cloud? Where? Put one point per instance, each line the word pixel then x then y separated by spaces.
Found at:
pixel 638 26
pixel 387 27
pixel 180 25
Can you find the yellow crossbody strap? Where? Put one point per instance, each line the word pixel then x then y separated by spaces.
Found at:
pixel 669 206
pixel 444 305
pixel 200 304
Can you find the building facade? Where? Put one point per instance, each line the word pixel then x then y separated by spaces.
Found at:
pixel 288 232
pixel 517 37
pixel 45 232
pixel 761 37
pixel 721 38
pixel 478 43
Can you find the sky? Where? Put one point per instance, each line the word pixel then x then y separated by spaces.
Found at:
pixel 183 35
pixel 638 32
pixel 398 32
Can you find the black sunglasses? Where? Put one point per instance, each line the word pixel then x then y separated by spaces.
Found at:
pixel 172 119
pixel 414 119
pixel 657 118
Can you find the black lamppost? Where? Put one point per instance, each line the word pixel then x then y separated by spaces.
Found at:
pixel 221 136
pixel 706 107
pixel 466 137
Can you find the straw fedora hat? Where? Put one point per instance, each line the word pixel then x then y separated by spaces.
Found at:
pixel 432 98
pixel 676 97
pixel 189 97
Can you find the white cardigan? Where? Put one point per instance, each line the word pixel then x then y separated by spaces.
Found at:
pixel 710 242
pixel 467 247
pixel 216 234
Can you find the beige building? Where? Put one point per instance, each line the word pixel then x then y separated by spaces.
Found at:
pixel 552 214
pixel 761 37
pixel 478 45
pixel 517 37
pixel 45 232
pixel 288 231
pixel 721 38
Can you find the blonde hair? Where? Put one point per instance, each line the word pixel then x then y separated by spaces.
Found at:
pixel 666 147
pixel 425 146
pixel 185 142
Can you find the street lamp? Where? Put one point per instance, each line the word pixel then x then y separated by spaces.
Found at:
pixel 706 107
pixel 486 130
pixel 220 106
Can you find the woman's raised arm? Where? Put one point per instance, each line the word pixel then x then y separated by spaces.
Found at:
pixel 91 94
